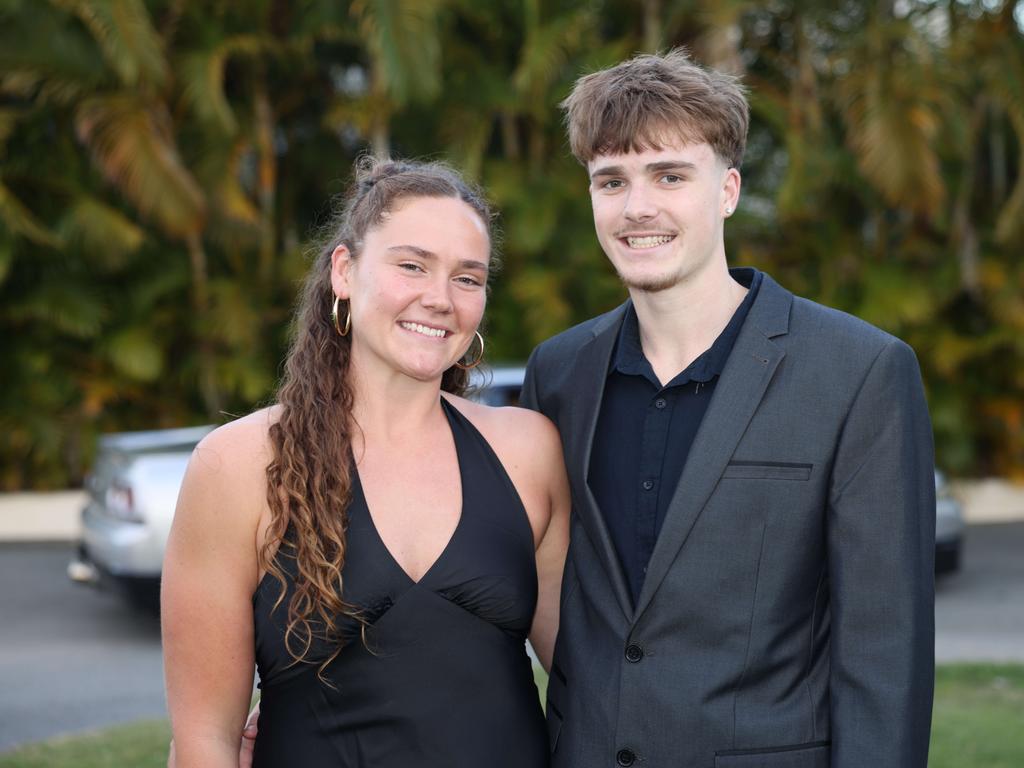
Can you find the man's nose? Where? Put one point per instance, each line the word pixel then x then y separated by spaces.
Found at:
pixel 639 205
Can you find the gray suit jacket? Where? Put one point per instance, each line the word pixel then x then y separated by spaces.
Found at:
pixel 787 616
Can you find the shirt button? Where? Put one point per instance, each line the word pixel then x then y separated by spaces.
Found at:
pixel 625 757
pixel 634 653
pixel 660 403
pixel 647 484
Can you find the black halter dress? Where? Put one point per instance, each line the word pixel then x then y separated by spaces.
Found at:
pixel 443 678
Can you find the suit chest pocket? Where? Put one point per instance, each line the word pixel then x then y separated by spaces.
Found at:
pixel 767 470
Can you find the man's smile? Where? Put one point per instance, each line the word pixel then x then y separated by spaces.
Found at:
pixel 646 241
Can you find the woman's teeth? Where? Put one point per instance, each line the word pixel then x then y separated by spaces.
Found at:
pixel 417 328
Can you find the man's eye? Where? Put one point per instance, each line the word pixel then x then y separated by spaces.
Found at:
pixel 410 267
pixel 671 178
pixel 467 280
pixel 612 184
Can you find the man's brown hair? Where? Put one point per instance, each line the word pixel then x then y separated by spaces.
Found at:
pixel 643 101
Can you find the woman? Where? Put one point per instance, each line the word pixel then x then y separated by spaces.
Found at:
pixel 373 542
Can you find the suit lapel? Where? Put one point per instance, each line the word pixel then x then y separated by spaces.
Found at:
pixel 749 370
pixel 591 363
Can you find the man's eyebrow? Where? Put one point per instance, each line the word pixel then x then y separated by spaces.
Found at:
pixel 423 253
pixel 608 170
pixel 661 165
pixel 671 165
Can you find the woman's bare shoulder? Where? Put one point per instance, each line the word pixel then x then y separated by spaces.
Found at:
pixel 244 439
pixel 524 434
pixel 231 461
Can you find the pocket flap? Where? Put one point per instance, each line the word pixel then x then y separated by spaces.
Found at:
pixel 812 755
pixel 767 470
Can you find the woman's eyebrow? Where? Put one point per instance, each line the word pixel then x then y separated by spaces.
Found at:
pixel 423 253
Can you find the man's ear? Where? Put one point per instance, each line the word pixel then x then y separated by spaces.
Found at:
pixel 341 266
pixel 731 183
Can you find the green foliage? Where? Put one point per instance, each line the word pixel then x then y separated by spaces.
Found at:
pixel 164 167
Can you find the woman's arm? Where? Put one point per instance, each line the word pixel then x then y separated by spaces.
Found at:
pixel 554 543
pixel 210 573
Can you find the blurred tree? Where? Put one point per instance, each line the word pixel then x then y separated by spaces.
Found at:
pixel 165 166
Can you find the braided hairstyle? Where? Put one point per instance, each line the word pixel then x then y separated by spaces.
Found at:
pixel 308 479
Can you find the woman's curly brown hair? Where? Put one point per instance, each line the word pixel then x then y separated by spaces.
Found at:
pixel 308 479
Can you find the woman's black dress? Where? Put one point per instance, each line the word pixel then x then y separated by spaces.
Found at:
pixel 446 680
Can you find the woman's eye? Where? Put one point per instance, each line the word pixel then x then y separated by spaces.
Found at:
pixel 411 267
pixel 466 280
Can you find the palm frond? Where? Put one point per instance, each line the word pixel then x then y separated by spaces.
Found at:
pixel 202 75
pixel 74 310
pixel 49 43
pixel 131 144
pixel 892 122
pixel 124 31
pixel 40 44
pixel 225 170
pixel 101 231
pixel 16 216
pixel 545 53
pixel 402 38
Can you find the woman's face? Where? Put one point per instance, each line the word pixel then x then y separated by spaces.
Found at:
pixel 417 289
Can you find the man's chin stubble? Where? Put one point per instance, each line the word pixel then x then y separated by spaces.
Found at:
pixel 651 285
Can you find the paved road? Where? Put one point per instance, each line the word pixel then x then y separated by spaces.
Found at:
pixel 72 658
pixel 979 611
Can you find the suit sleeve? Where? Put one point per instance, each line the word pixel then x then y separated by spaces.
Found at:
pixel 881 549
pixel 529 396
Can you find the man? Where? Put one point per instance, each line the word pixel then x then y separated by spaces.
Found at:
pixel 749 580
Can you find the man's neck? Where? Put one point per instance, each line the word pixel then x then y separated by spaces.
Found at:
pixel 678 324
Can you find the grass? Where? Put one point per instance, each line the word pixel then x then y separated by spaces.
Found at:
pixel 977 724
pixel 139 745
pixel 978 718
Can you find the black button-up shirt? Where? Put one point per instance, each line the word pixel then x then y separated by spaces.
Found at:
pixel 644 434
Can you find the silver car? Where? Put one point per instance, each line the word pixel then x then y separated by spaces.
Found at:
pixel 949 527
pixel 133 489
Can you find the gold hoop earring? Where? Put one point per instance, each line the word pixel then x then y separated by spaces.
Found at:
pixel 479 358
pixel 334 318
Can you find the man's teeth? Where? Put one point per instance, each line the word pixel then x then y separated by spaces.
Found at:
pixel 435 332
pixel 649 241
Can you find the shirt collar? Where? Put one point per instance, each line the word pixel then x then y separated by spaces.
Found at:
pixel 629 359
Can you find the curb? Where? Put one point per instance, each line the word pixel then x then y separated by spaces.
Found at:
pixel 47 516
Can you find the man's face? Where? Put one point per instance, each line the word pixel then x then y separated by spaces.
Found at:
pixel 658 213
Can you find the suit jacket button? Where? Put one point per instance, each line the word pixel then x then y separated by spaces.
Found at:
pixel 634 653
pixel 625 757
